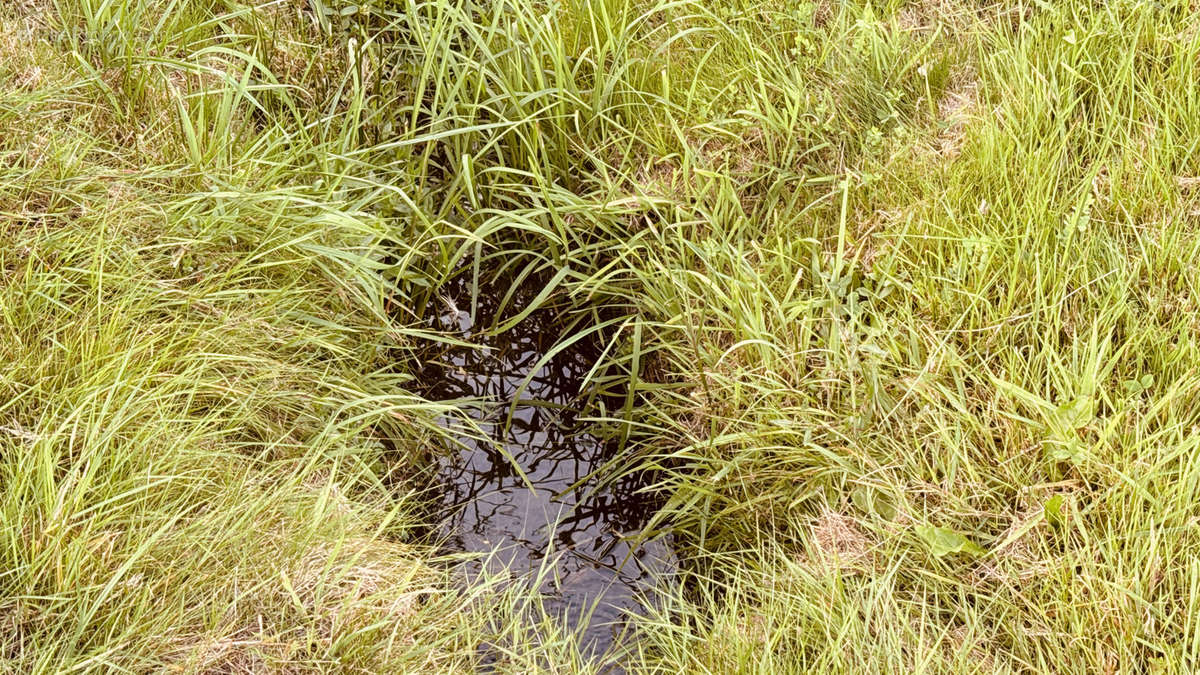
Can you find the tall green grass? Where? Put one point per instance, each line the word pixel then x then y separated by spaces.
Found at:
pixel 903 301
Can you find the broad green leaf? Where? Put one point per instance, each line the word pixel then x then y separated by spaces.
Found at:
pixel 1054 510
pixel 1064 450
pixel 1074 414
pixel 943 541
pixel 869 500
pixel 1139 385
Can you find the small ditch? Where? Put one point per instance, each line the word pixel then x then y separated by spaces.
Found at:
pixel 558 514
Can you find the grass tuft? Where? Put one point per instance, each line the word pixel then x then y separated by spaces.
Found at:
pixel 901 296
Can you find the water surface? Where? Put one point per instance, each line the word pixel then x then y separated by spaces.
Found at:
pixel 558 514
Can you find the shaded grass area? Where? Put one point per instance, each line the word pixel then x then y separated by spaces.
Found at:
pixel 904 291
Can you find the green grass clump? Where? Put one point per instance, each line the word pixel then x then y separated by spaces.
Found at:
pixel 903 297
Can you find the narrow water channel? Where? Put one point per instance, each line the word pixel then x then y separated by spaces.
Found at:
pixel 559 513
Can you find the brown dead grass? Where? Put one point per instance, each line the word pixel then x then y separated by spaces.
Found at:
pixel 357 591
pixel 839 545
pixel 18 56
pixel 956 110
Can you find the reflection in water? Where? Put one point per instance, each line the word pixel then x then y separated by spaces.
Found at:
pixel 585 533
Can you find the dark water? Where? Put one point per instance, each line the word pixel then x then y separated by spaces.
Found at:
pixel 558 515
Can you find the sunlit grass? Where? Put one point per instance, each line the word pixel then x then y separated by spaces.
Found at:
pixel 903 292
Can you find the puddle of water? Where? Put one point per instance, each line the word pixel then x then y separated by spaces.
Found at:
pixel 587 534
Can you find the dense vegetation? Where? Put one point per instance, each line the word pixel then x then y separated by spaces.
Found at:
pixel 902 294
